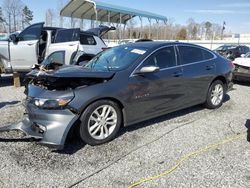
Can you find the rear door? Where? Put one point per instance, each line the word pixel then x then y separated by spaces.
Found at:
pixel 198 71
pixel 66 40
pixel 24 52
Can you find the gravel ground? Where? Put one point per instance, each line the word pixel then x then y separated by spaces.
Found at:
pixel 140 151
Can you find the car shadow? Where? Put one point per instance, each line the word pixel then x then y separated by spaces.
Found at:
pixel 160 119
pixel 16 140
pixel 7 80
pixel 74 143
pixel 247 124
pixel 167 117
pixel 243 83
pixel 3 104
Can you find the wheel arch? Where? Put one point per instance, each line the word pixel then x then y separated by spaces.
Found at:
pixel 117 101
pixel 221 78
pixel 75 126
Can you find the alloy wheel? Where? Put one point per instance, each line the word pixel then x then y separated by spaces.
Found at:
pixel 102 122
pixel 217 94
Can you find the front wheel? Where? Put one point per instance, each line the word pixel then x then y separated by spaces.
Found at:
pixel 100 122
pixel 215 95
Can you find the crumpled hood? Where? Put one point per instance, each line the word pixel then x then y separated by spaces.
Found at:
pixel 67 77
pixel 71 72
pixel 242 62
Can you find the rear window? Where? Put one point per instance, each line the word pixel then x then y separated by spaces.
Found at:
pixel 87 40
pixel 189 54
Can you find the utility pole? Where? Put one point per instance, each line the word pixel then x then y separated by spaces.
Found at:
pixel 222 30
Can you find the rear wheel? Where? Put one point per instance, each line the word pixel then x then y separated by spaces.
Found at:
pixel 100 122
pixel 215 95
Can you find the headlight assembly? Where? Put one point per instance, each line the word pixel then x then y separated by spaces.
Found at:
pixel 51 103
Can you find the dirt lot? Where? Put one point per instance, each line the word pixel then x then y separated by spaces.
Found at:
pixel 144 150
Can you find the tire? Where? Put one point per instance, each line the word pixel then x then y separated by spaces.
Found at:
pixel 215 95
pixel 98 127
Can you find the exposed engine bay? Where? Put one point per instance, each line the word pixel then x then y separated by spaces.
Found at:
pixel 63 78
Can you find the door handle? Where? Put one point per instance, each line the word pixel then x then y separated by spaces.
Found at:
pixel 30 44
pixel 177 74
pixel 209 67
pixel 72 44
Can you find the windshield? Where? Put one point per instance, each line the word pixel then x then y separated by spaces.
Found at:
pixel 226 47
pixel 6 37
pixel 116 59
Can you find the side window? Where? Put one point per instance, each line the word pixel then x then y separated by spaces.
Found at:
pixel 240 49
pixel 246 49
pixel 31 33
pixel 189 54
pixel 87 40
pixel 207 55
pixel 66 35
pixel 163 58
pixel 56 57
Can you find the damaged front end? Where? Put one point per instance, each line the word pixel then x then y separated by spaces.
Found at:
pixel 241 73
pixel 49 111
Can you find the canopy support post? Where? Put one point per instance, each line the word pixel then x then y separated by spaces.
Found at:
pixel 165 30
pixel 124 27
pixel 81 24
pixel 130 33
pixel 157 21
pixel 149 31
pixel 109 24
pixel 141 34
pixel 96 17
pixel 120 31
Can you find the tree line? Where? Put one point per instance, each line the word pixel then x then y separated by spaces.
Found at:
pixel 14 16
pixel 172 31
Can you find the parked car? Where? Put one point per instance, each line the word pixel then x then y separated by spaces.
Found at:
pixel 144 40
pixel 120 87
pixel 36 42
pixel 232 51
pixel 242 68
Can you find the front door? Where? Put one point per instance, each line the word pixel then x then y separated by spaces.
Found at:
pixel 154 94
pixel 24 51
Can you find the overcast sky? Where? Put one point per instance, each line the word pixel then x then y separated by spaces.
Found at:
pixel 236 13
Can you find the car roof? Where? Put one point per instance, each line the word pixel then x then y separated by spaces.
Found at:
pixel 157 44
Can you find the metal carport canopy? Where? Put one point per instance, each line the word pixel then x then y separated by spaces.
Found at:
pixel 104 12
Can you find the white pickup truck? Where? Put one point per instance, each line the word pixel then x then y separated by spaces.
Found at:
pixel 20 51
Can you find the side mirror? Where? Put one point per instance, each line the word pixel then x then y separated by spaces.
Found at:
pixel 243 55
pixel 13 38
pixel 148 69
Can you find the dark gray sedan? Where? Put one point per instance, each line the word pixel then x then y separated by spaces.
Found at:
pixel 120 87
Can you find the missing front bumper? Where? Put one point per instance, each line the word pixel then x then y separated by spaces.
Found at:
pixel 52 134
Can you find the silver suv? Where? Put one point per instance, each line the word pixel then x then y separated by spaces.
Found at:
pixel 36 42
